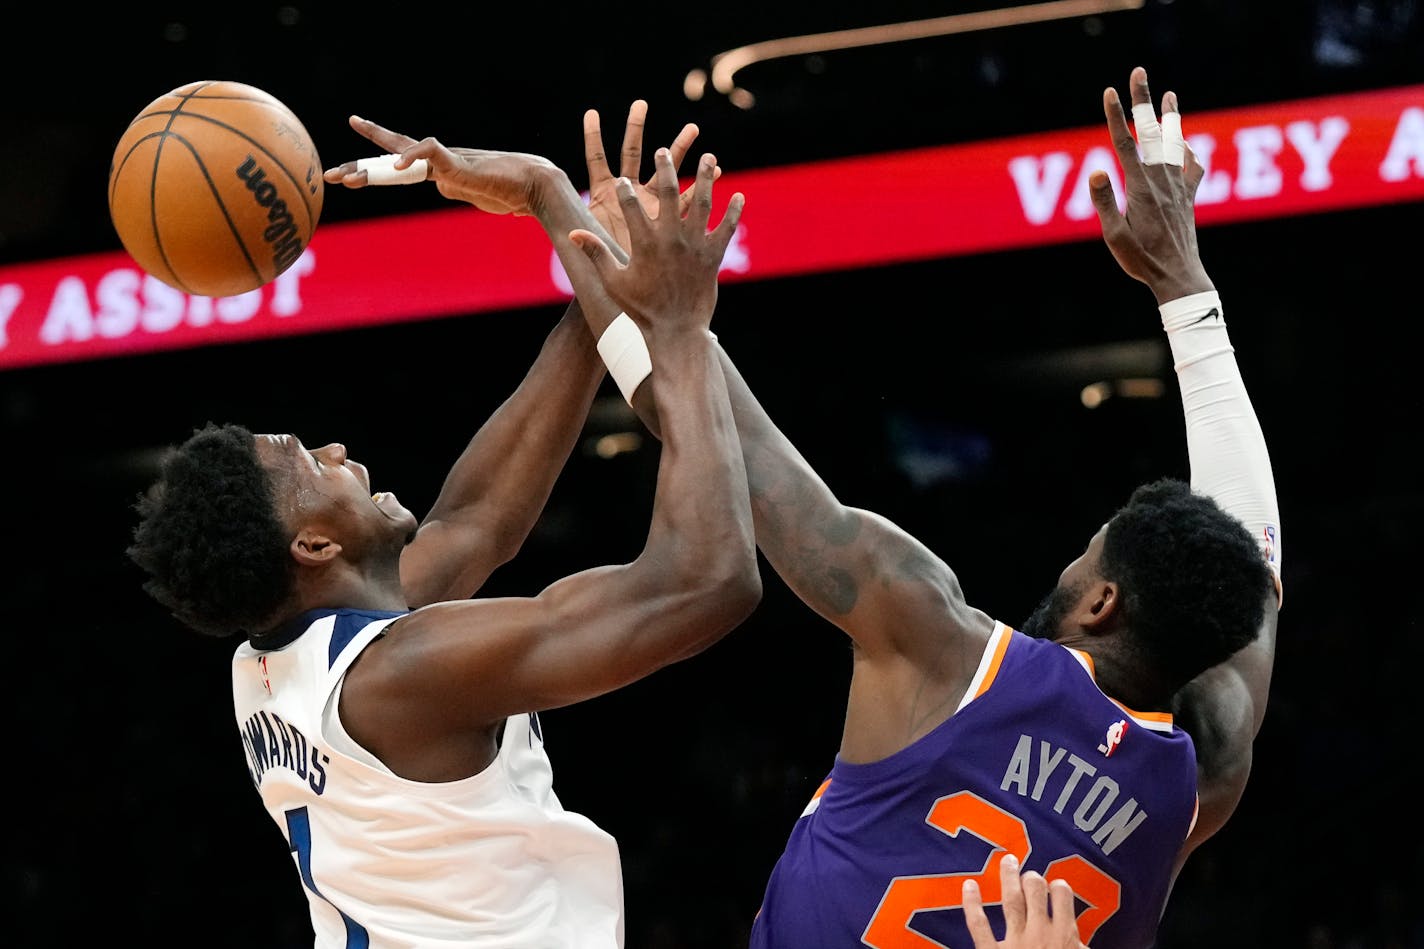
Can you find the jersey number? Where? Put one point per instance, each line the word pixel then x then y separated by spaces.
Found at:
pixel 299 839
pixel 905 896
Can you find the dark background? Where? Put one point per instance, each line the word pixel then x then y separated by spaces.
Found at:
pixel 132 815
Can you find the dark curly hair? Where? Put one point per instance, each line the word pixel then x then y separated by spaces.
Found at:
pixel 1192 579
pixel 209 536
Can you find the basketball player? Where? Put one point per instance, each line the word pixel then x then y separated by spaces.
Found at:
pixel 390 722
pixel 1109 735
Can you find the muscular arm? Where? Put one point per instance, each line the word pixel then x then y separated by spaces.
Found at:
pixel 916 641
pixel 855 568
pixel 497 488
pixel 425 696
pixel 493 496
pixel 862 573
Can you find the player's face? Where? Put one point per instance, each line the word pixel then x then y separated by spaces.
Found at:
pixel 324 487
pixel 1048 620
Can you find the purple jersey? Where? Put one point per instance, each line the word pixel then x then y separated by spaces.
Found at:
pixel 1036 761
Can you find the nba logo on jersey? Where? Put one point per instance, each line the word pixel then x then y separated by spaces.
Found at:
pixel 1115 732
pixel 266 682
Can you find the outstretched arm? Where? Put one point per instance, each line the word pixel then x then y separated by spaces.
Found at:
pixel 435 688
pixel 497 488
pixel 900 604
pixel 1156 243
pixel 495 492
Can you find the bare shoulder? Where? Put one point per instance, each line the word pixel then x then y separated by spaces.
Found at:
pixel 413 696
pixel 442 651
pixel 928 617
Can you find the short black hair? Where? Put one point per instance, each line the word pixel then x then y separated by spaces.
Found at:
pixel 1192 578
pixel 209 536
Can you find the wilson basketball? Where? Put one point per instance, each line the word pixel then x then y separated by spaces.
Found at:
pixel 215 188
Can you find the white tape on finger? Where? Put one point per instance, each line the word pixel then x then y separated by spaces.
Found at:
pixel 1174 146
pixel 381 170
pixel 1149 133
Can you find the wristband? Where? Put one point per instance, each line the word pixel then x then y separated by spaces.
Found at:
pixel 625 353
pixel 1196 329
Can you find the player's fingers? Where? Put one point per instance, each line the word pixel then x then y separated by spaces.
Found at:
pixel 346 174
pixel 727 227
pixel 417 162
pixel 1065 924
pixel 1137 84
pixel 430 149
pixel 437 156
pixel 425 159
pixel 684 200
pixel 1193 171
pixel 1035 896
pixel 1122 139
pixel 701 208
pixel 665 184
pixel 974 918
pixel 631 160
pixel 596 250
pixel 1100 188
pixel 1011 895
pixel 380 170
pixel 682 143
pixel 634 216
pixel 388 140
pixel 1105 203
pixel 1174 144
pixel 593 155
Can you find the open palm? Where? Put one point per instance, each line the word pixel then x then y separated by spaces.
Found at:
pixel 603 184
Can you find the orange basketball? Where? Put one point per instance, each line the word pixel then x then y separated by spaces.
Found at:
pixel 215 188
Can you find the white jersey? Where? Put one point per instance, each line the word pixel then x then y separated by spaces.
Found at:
pixel 491 860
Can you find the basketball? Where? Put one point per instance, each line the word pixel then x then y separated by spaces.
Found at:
pixel 215 188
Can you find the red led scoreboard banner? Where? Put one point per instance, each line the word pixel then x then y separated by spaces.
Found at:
pixel 1282 159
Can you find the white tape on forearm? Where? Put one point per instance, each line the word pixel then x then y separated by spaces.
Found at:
pixel 382 171
pixel 1149 133
pixel 625 353
pixel 1225 445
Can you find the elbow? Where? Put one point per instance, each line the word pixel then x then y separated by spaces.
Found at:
pixel 740 590
pixel 699 592
pixel 728 591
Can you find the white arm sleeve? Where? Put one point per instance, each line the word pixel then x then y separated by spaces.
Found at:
pixel 1225 444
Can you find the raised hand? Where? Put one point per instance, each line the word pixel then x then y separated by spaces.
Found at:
pixel 1027 922
pixel 602 185
pixel 1156 240
pixel 671 276
pixel 494 181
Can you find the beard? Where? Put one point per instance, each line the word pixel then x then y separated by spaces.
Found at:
pixel 1047 617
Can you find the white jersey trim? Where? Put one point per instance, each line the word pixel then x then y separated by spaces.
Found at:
pixel 986 664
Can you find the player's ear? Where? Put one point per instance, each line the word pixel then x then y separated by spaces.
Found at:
pixel 312 548
pixel 1098 607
